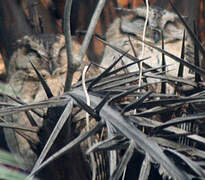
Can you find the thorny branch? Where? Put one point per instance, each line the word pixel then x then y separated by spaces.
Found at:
pixel 91 29
pixel 72 63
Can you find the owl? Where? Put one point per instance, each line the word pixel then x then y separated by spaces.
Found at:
pixel 132 23
pixel 48 54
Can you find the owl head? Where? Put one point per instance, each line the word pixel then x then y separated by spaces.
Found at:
pixel 45 51
pixel 158 20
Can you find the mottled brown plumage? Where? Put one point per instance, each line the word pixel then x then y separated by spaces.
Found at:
pixel 132 23
pixel 48 54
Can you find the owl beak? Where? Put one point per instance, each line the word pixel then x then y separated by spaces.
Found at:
pixel 156 36
pixel 50 67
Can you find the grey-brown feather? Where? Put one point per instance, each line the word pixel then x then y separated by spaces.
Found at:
pixel 159 20
pixel 48 54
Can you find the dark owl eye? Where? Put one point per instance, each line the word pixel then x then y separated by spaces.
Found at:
pixel 169 24
pixel 139 19
pixel 132 26
pixel 173 29
pixel 138 22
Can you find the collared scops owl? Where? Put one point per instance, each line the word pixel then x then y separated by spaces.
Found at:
pixel 48 53
pixel 132 24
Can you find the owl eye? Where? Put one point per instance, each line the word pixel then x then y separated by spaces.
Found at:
pixel 168 24
pixel 173 29
pixel 132 26
pixel 140 19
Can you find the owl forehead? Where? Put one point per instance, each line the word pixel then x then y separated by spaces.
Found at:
pixel 44 44
pixel 155 17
